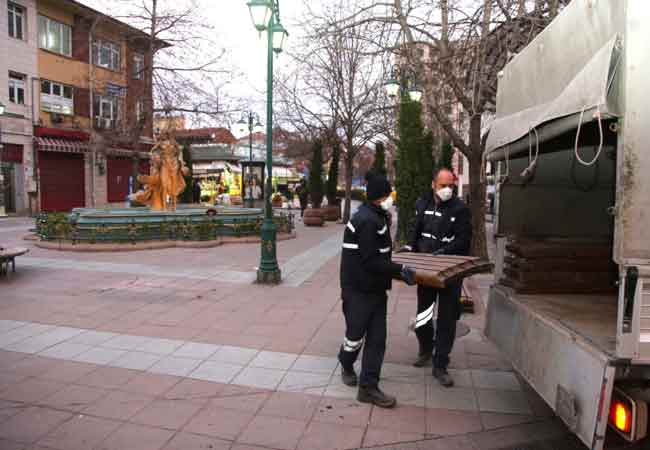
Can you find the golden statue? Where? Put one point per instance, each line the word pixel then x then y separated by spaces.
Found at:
pixel 165 181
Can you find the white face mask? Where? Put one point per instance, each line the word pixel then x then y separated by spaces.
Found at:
pixel 445 193
pixel 387 204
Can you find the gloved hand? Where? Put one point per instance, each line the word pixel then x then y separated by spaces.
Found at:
pixel 440 251
pixel 408 275
pixel 404 249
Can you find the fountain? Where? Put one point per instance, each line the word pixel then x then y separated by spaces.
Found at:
pixel 162 222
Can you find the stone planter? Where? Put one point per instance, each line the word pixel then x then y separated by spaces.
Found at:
pixel 314 217
pixel 332 213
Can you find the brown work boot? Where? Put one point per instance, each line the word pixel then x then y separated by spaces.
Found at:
pixel 374 395
pixel 443 377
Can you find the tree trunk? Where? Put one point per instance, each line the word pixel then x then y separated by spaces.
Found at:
pixel 348 186
pixel 477 189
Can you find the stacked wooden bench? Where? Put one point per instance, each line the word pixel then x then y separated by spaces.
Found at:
pixel 555 266
pixel 8 256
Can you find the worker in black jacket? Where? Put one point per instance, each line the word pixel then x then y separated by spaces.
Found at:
pixel 443 226
pixel 366 274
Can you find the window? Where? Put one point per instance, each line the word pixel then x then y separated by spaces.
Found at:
pixel 56 98
pixel 139 111
pixel 105 111
pixel 16 14
pixel 138 67
pixel 16 88
pixel 106 54
pixel 54 36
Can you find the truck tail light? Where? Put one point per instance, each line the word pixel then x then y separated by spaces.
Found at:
pixel 628 416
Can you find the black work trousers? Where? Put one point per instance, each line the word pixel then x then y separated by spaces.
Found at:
pixel 365 325
pixel 444 334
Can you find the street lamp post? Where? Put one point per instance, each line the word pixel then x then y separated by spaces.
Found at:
pixel 2 178
pixel 266 17
pixel 246 122
pixel 403 83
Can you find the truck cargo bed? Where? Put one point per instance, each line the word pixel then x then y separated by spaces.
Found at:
pixel 588 318
pixel 565 347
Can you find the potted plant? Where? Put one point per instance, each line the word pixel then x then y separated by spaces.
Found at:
pixel 276 200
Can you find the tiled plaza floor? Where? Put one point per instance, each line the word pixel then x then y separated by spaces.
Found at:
pixel 160 350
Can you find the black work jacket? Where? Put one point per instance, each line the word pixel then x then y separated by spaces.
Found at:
pixel 444 227
pixel 366 264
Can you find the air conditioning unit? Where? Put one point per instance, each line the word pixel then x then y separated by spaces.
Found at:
pixel 102 123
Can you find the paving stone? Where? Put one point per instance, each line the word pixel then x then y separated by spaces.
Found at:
pixel 503 402
pixel 492 379
pixel 32 423
pixel 196 350
pixel 99 356
pixel 343 412
pixel 7 325
pixel 305 382
pixel 92 338
pixel 136 437
pixel 291 405
pixel 136 360
pixel 168 414
pixel 445 422
pixel 119 405
pixel 246 400
pixel 149 383
pixel 273 360
pixel 219 422
pixel 74 398
pixel 330 436
pixel 316 364
pixel 273 432
pixel 451 398
pixel 382 436
pixel 65 350
pixel 190 441
pixel 404 418
pixel 216 371
pixel 9 409
pixel 170 365
pixel 107 377
pixel 259 377
pixel 234 355
pixel 197 390
pixel 79 433
pixel 31 390
pixel 160 346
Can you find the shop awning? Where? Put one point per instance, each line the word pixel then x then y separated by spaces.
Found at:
pixel 562 75
pixel 60 145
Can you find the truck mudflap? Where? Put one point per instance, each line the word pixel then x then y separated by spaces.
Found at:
pixel 568 372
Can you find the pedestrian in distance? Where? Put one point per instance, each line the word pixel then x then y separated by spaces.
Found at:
pixel 303 196
pixel 366 275
pixel 443 226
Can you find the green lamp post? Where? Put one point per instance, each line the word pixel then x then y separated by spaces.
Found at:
pixel 246 123
pixel 266 17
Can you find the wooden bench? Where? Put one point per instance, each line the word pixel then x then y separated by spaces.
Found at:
pixel 8 256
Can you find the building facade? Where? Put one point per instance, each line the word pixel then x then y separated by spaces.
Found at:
pixel 86 116
pixel 18 83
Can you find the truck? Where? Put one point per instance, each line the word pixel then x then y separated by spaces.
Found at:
pixel 570 301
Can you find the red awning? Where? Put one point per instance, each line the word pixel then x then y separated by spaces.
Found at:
pixel 59 133
pixel 60 145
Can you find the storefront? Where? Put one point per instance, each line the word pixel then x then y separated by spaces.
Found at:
pixel 61 174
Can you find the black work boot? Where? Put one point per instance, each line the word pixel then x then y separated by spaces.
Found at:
pixel 372 394
pixel 443 377
pixel 424 359
pixel 348 377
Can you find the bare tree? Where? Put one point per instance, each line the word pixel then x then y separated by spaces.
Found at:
pixel 336 86
pixel 188 70
pixel 469 41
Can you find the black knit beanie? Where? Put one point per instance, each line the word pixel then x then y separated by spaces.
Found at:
pixel 377 187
